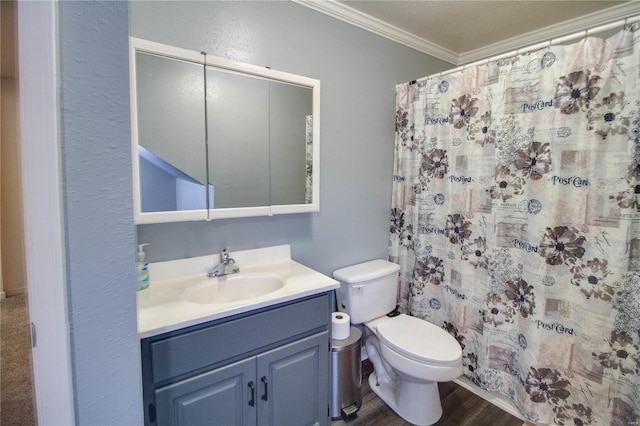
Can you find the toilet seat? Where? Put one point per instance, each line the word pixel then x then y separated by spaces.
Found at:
pixel 419 340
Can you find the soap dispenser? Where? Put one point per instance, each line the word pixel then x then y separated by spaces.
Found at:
pixel 142 268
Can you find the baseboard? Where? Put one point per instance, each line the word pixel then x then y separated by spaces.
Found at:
pixel 9 292
pixel 496 399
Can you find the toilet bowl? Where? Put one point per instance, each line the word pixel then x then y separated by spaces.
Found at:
pixel 414 355
pixel 409 355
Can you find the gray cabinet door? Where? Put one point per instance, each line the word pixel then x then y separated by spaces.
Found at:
pixel 293 383
pixel 218 397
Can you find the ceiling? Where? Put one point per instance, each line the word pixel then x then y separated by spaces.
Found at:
pixel 453 30
pixel 463 31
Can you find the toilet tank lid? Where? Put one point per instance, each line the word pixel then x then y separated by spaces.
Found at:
pixel 365 271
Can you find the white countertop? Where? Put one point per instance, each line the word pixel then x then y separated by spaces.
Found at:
pixel 160 308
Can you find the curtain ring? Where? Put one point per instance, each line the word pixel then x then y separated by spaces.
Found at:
pixel 549 45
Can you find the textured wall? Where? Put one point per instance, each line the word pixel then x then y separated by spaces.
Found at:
pixel 97 194
pixel 358 72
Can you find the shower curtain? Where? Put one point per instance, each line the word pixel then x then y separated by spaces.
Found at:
pixel 516 223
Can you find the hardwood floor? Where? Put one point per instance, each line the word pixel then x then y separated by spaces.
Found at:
pixel 460 408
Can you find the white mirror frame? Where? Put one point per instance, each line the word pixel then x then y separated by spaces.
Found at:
pixel 140 45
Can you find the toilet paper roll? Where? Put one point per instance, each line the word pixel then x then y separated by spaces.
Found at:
pixel 340 326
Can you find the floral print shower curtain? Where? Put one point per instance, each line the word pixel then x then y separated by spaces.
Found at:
pixel 516 222
pixel 308 160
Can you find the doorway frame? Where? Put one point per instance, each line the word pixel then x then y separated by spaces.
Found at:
pixel 43 218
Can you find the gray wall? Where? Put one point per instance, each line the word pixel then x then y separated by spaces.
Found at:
pixel 358 73
pixel 98 212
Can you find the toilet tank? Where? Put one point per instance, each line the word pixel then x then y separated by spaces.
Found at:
pixel 367 290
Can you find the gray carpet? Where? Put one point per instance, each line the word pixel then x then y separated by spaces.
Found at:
pixel 16 377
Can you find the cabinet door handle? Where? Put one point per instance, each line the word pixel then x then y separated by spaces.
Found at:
pixel 252 402
pixel 264 380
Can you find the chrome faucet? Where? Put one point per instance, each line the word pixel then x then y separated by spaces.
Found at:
pixel 225 267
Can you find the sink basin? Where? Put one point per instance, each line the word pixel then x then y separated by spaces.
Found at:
pixel 181 295
pixel 231 288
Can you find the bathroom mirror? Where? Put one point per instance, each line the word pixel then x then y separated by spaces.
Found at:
pixel 214 138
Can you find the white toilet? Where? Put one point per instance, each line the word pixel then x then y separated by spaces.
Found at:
pixel 409 355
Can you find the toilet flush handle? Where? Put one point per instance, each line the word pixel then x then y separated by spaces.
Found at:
pixel 357 287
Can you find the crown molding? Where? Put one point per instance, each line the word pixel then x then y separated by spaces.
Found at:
pixel 582 23
pixel 366 22
pixel 381 28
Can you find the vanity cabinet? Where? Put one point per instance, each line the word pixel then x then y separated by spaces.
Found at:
pixel 265 367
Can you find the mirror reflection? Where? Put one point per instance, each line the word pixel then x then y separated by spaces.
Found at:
pixel 220 137
pixel 171 134
pixel 290 136
pixel 238 126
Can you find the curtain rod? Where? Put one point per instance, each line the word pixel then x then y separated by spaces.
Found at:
pixel 537 46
